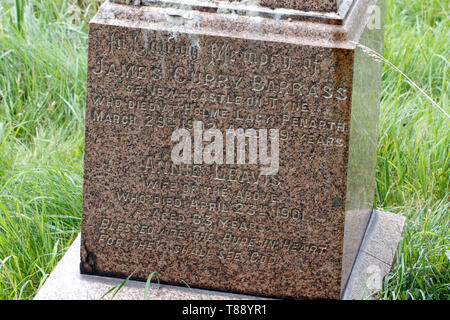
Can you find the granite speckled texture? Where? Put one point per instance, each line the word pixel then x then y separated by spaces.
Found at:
pixel 152 70
pixel 302 5
pixel 372 265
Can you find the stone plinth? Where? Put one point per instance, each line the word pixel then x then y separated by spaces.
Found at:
pixel 155 69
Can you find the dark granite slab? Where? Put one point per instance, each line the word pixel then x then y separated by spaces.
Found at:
pixel 152 70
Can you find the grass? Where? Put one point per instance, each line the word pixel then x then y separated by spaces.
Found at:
pixel 42 80
pixel 42 92
pixel 413 149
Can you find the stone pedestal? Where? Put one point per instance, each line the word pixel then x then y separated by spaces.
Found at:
pixel 292 68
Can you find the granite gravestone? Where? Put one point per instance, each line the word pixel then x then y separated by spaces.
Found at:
pixel 294 69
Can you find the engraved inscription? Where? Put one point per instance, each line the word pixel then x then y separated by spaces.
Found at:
pixel 228 213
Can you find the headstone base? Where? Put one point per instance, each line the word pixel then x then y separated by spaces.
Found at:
pixel 374 261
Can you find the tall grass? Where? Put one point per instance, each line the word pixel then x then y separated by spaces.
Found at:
pixel 42 79
pixel 42 92
pixel 413 149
